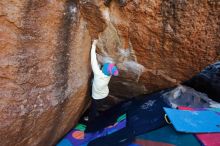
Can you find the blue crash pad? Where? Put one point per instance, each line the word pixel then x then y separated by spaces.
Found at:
pixel 194 121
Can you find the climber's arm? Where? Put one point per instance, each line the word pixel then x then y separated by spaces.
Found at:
pixel 94 62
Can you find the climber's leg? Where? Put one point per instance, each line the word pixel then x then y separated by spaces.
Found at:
pixel 122 2
pixel 107 2
pixel 93 110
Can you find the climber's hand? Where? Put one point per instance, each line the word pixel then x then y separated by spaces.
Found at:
pixel 94 42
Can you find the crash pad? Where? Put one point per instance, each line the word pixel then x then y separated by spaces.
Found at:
pixel 194 121
pixel 168 135
pixel 78 135
pixel 207 139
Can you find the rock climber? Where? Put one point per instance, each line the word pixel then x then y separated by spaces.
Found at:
pixel 121 2
pixel 100 82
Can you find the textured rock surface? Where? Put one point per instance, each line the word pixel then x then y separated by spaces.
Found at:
pixel 158 44
pixel 44 70
pixel 44 56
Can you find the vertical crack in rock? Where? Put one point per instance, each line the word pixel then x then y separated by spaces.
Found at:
pixel 62 65
pixel 62 54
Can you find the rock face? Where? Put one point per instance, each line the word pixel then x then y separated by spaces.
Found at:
pixel 45 63
pixel 158 44
pixel 44 70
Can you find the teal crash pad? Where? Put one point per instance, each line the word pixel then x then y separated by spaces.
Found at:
pixel 194 121
pixel 169 135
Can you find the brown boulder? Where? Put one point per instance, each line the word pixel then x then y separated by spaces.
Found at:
pixel 158 44
pixel 44 70
pixel 45 62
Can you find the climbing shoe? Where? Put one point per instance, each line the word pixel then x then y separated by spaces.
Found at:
pixel 86 118
pixel 107 2
pixel 122 3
